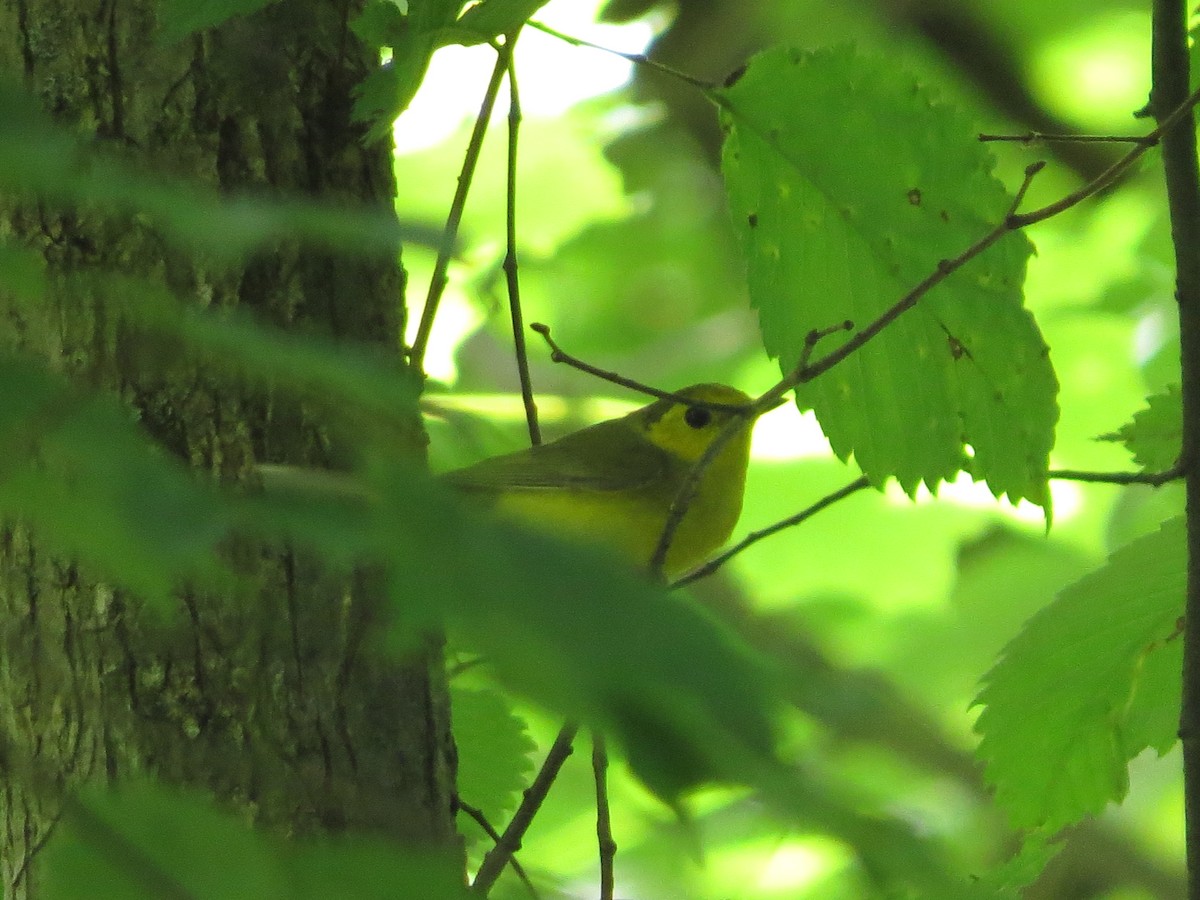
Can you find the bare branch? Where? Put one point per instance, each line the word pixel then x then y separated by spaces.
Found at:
pixel 755 536
pixel 639 59
pixel 604 836
pixel 510 842
pixel 437 282
pixel 558 355
pixel 805 372
pixel 1154 479
pixel 1038 137
pixel 510 254
pixel 481 820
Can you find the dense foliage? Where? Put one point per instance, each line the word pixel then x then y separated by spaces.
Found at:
pixel 914 690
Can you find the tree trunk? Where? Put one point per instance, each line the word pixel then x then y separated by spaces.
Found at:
pixel 275 702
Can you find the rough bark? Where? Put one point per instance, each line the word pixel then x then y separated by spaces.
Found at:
pixel 275 702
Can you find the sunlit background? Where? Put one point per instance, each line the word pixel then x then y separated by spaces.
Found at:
pixel 625 253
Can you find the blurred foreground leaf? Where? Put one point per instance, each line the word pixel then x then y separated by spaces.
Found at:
pixel 41 158
pixel 574 630
pixel 359 381
pixel 78 469
pixel 578 631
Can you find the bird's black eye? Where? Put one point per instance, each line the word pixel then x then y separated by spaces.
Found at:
pixel 697 416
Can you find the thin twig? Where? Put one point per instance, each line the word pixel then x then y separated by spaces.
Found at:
pixel 604 836
pixel 815 337
pixel 945 268
pixel 755 536
pixel 558 355
pixel 437 282
pixel 509 843
pixel 638 59
pixel 1113 172
pixel 1154 479
pixel 481 820
pixel 1034 137
pixel 510 255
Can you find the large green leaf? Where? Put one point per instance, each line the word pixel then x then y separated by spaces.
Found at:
pixel 848 183
pixel 1082 689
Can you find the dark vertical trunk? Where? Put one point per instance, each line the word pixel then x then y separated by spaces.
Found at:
pixel 276 701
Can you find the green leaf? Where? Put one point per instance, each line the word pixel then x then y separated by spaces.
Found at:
pixel 1080 690
pixel 179 18
pixel 1155 436
pixel 491 18
pixel 386 93
pixel 1008 880
pixel 145 840
pixel 848 183
pixel 1152 717
pixel 494 750
pixel 380 24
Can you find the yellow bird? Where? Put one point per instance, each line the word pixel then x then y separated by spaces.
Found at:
pixel 614 483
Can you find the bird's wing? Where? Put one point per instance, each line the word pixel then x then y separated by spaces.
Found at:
pixel 617 459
